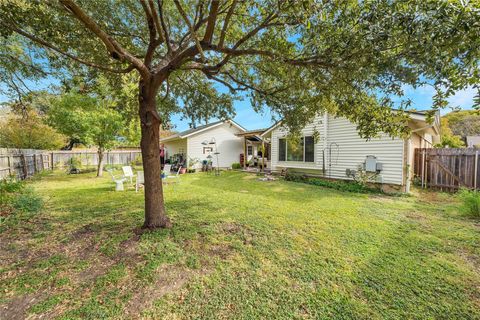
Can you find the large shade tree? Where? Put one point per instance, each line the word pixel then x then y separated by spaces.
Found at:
pixel 298 58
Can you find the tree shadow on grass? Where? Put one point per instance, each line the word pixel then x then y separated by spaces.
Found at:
pixel 268 190
pixel 101 254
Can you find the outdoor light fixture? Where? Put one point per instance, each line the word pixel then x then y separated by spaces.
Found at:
pixel 216 153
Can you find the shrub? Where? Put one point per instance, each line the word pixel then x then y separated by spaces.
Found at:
pixel 137 162
pixel 471 202
pixel 74 165
pixel 349 186
pixel 16 197
pixel 236 165
pixel 28 201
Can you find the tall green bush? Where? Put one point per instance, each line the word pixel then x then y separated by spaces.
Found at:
pixel 470 202
pixel 17 197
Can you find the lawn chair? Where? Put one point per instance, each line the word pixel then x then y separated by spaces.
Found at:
pixel 118 181
pixel 139 181
pixel 128 173
pixel 175 176
pixel 167 169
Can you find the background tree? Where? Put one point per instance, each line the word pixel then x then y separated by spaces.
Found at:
pixel 448 139
pixel 29 132
pixel 91 120
pixel 464 123
pixel 298 58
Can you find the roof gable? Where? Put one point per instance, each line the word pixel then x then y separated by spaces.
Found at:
pixel 190 132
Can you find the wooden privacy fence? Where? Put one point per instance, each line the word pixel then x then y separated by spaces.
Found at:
pixel 447 169
pixel 24 163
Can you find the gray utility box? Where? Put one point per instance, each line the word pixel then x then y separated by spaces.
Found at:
pixel 372 165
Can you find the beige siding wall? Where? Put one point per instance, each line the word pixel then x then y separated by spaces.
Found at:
pixel 280 132
pixel 175 146
pixel 415 141
pixel 229 145
pixel 350 153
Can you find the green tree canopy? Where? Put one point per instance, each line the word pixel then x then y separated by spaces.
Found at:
pixel 448 139
pixel 298 58
pixel 29 132
pixel 91 120
pixel 464 123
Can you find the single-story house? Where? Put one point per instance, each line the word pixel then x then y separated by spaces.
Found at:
pixel 473 142
pixel 203 142
pixel 332 148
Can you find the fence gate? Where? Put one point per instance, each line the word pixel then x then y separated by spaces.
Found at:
pixel 447 169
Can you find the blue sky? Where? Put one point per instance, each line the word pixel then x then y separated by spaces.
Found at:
pixel 246 117
pixel 421 98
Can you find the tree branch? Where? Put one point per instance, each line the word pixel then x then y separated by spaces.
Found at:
pixel 226 22
pixel 190 27
pixel 166 35
pixel 114 48
pixel 152 42
pixel 56 49
pixel 212 19
pixel 156 21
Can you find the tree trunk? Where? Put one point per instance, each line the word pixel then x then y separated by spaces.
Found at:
pixel 155 215
pixel 100 152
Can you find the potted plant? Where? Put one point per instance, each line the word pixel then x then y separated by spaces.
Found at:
pixel 192 164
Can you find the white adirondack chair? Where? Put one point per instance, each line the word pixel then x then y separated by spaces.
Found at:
pixel 128 173
pixel 118 181
pixel 166 169
pixel 172 177
pixel 139 181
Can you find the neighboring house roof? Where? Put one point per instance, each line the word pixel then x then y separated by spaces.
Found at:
pixel 190 132
pixel 473 141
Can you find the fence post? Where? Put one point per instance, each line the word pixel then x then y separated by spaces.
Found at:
pixel 42 162
pixel 51 160
pixel 35 163
pixel 475 171
pixel 9 159
pixel 24 166
pixel 423 168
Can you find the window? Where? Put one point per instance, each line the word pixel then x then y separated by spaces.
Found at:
pixel 295 150
pixel 309 149
pixel 302 150
pixel 249 150
pixel 282 149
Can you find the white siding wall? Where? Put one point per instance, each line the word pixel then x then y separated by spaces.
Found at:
pixel 280 132
pixel 229 145
pixel 176 146
pixel 352 150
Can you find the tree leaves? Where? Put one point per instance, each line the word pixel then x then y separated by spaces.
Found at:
pixel 298 58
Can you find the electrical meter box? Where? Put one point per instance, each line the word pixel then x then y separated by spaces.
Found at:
pixel 371 164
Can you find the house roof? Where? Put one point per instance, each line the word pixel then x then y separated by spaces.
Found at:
pixel 251 132
pixel 190 132
pixel 414 115
pixel 473 141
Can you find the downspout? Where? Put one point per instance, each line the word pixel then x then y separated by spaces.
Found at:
pixel 407 165
pixel 325 132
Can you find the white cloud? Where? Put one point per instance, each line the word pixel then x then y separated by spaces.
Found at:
pixel 463 98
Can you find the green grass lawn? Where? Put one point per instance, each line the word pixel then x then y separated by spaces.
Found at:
pixel 239 249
